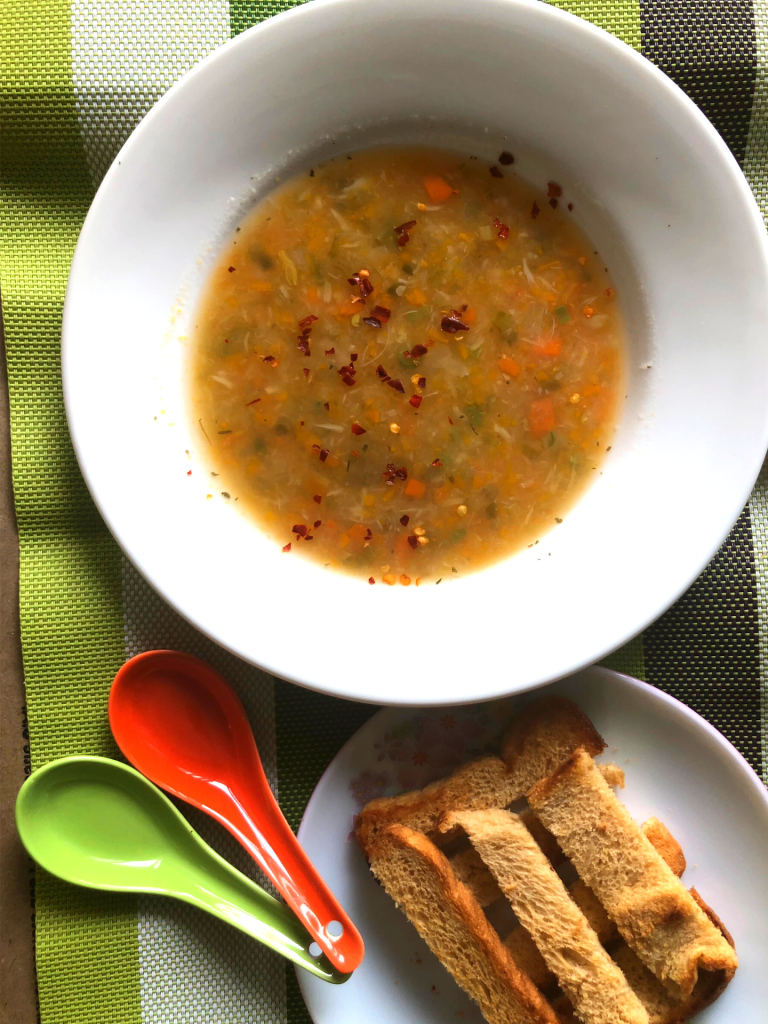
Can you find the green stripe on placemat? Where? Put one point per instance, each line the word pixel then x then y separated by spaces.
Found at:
pixel 71 619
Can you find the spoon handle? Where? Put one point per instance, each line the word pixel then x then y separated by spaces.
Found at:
pixel 225 892
pixel 259 824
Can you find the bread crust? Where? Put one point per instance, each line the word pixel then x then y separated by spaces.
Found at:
pixel 418 876
pixel 543 735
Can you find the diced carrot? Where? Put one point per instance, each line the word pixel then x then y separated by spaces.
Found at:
pixel 549 348
pixel 469 316
pixel 438 190
pixel 541 416
pixel 357 532
pixel 260 286
pixel 416 296
pixel 332 461
pixel 349 310
pixel 343 540
pixel 415 488
pixel 509 366
pixel 373 415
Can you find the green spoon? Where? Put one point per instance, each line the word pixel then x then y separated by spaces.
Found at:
pixel 101 824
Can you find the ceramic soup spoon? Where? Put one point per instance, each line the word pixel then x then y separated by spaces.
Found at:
pixel 182 725
pixel 99 823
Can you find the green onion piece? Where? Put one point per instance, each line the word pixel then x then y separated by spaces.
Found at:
pixel 562 314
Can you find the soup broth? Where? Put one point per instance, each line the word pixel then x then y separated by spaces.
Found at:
pixel 407 363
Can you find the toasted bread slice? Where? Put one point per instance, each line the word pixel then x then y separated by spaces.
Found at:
pixel 542 736
pixel 417 875
pixel 654 912
pixel 469 869
pixel 484 782
pixel 523 948
pixel 595 986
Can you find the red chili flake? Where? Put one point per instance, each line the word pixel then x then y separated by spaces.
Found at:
pixel 348 379
pixel 402 232
pixel 371 580
pixel 315 447
pixel 287 548
pixel 318 522
pixel 404 520
pixel 353 357
pixel 422 382
pixel 347 368
pixel 371 321
pixel 554 191
pixel 300 530
pixel 304 346
pixel 382 313
pixel 437 462
pixel 308 320
pixel 415 401
pixel 231 270
pixel 226 341
pixel 503 229
pixel 363 283
pixel 535 210
pixel 253 402
pixel 368 535
pixel 496 173
pixel 355 455
pixel 309 537
pixel 306 371
pixel 418 351
pixel 449 420
pixel 324 453
pixel 506 158
pixel 330 351
pixel 570 207
pixel 301 423
pixel 381 372
pixel 189 472
pixel 553 203
pixel 396 385
pixel 357 429
pixel 271 360
pixel 413 541
pixel 391 474
pixel 453 324
pixel 326 406
pixel 317 497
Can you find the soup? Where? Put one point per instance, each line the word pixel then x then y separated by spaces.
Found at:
pixel 407 364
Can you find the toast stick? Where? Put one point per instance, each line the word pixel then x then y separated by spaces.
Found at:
pixel 594 984
pixel 418 876
pixel 654 912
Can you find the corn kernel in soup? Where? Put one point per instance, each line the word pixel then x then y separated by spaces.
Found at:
pixel 408 364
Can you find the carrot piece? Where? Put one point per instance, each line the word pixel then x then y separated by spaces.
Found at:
pixel 509 366
pixel 549 348
pixel 357 532
pixel 415 488
pixel 541 416
pixel 469 316
pixel 437 189
pixel 416 296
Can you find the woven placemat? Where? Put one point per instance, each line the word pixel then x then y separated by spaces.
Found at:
pixel 76 80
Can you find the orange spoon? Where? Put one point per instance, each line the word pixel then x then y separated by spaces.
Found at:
pixel 182 725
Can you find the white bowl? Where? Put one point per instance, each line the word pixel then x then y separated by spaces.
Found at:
pixel 652 184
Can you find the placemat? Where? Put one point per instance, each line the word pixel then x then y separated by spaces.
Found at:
pixel 77 77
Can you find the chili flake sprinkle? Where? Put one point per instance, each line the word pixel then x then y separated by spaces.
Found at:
pixel 495 172
pixel 403 232
pixel 357 429
pixel 287 548
pixel 453 324
pixel 506 158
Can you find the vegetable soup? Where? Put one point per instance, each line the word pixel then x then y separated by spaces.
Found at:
pixel 407 364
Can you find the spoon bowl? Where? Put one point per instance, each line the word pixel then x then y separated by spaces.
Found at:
pixel 183 726
pixel 99 823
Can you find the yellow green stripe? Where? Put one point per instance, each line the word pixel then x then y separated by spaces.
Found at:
pixel 71 618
